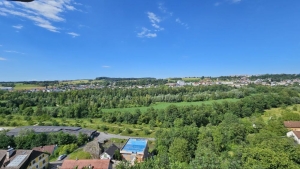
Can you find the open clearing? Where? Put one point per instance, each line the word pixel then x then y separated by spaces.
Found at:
pixel 277 112
pixel 163 105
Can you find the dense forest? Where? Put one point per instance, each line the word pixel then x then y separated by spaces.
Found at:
pixel 227 134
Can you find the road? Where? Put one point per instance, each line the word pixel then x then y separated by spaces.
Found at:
pixel 107 136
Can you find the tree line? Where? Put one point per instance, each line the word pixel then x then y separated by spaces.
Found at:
pixel 27 139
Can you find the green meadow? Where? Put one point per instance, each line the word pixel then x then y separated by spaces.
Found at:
pixel 163 105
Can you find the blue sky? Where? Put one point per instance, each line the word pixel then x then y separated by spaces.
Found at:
pixel 84 39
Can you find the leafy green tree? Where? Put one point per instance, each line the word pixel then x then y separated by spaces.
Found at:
pixel 179 151
pixel 206 159
pixel 264 158
pixel 82 139
pixel 5 140
pixel 117 155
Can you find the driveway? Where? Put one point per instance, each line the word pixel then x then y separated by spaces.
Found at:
pixel 55 165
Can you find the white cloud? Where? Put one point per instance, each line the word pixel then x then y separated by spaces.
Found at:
pixel 154 21
pixel 182 23
pixel 3 14
pixel 150 35
pixel 73 34
pixel 76 3
pixel 71 8
pixel 44 13
pixel 83 26
pixel 146 33
pixel 18 26
pixel 7 4
pixel 153 18
pixel 105 66
pixel 163 9
pixel 2 59
pixel 12 51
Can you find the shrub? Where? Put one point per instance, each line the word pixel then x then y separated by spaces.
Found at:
pixel 104 128
pixel 127 131
pixel 146 132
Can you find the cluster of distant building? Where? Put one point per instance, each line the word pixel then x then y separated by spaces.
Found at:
pixel 7 88
pixel 243 81
pixel 238 82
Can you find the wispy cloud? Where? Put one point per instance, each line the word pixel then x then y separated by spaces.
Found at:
pixel 105 66
pixel 182 23
pixel 2 59
pixel 83 26
pixel 146 33
pixel 217 4
pixel 18 26
pixel 43 13
pixel 12 51
pixel 227 1
pixel 163 9
pixel 236 1
pixel 150 33
pixel 154 19
pixel 73 34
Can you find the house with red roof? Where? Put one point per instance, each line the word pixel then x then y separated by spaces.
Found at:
pixel 91 164
pixel 46 149
pixel 295 135
pixel 292 125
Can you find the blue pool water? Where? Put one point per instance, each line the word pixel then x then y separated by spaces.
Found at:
pixel 135 145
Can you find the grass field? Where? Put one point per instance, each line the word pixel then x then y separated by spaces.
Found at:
pixel 21 86
pixel 191 79
pixel 277 112
pixel 75 81
pixel 163 105
pixel 79 154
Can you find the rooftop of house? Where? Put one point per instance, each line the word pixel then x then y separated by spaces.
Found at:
pixel 17 158
pixel 135 145
pixel 48 149
pixel 111 150
pixel 94 164
pixel 292 124
pixel 297 134
pixel 51 129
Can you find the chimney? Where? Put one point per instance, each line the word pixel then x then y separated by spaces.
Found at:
pixel 9 152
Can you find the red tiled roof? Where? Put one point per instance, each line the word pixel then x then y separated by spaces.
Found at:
pixel 96 164
pixel 49 148
pixel 297 134
pixel 292 124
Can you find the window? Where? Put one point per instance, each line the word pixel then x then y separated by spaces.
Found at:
pixel 40 157
pixel 44 161
pixel 33 161
pixel 37 166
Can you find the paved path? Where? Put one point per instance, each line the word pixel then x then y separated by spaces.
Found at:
pixel 107 136
pixel 54 165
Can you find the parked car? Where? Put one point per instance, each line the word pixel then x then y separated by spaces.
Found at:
pixel 61 157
